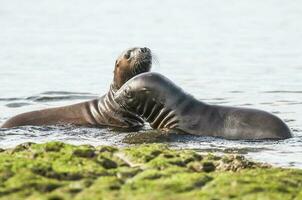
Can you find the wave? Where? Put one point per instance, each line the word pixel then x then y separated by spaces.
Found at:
pixel 48 96
pixel 17 104
pixel 65 93
pixel 41 98
pixel 283 91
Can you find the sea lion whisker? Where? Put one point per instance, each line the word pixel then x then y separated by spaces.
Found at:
pixel 155 59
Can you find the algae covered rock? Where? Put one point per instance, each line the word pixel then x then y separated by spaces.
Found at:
pixel 59 171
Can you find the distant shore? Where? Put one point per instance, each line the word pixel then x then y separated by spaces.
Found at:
pixel 58 171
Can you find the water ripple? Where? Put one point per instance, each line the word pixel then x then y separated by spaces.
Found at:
pixel 49 96
pixel 17 104
pixel 283 91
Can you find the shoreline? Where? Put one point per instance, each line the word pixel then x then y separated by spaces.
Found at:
pixel 60 171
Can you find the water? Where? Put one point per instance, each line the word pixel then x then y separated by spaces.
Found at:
pixel 238 53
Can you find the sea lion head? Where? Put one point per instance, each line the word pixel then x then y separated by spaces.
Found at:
pixel 130 63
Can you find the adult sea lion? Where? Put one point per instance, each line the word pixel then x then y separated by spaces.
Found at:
pixel 103 111
pixel 166 106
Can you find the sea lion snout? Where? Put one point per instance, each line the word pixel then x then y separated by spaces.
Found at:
pixel 140 55
pixel 145 49
pixel 137 53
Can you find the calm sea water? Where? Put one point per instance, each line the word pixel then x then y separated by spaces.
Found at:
pixel 238 53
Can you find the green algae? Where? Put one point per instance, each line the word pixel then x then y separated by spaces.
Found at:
pixel 59 171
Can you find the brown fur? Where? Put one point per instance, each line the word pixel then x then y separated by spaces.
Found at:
pixel 103 111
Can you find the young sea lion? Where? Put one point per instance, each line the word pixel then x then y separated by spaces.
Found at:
pixel 103 111
pixel 166 106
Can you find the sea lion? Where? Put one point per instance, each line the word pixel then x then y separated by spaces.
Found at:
pixel 103 111
pixel 167 107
